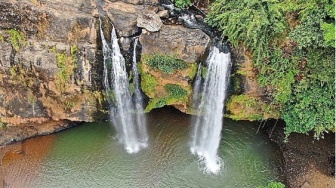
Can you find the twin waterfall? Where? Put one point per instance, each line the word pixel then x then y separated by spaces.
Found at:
pixel 126 113
pixel 209 106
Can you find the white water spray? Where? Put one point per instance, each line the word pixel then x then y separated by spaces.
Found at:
pixel 208 123
pixel 138 100
pixel 130 132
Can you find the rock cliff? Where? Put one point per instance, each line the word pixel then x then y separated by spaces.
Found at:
pixel 51 62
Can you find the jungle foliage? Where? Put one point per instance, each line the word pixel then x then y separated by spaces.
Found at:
pixel 292 45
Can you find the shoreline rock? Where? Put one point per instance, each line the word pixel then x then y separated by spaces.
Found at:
pixel 12 134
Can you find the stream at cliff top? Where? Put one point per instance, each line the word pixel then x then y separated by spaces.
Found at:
pixel 90 156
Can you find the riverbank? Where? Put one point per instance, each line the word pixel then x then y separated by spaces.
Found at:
pixel 308 163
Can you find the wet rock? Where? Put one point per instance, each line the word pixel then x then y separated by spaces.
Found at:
pixel 186 44
pixel 149 20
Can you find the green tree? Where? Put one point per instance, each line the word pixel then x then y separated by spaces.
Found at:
pixel 292 45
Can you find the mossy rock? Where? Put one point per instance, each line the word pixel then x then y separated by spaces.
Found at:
pixel 175 94
pixel 245 107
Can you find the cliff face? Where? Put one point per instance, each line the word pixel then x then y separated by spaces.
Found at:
pixel 247 101
pixel 51 61
pixel 47 61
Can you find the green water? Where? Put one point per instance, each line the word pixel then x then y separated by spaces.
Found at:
pixel 90 156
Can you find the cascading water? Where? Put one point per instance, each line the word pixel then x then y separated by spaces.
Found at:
pixel 209 106
pixel 138 99
pixel 130 132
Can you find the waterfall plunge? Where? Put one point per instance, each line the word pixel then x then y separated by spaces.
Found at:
pixel 128 117
pixel 208 123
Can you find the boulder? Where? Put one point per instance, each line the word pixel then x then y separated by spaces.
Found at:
pixel 163 14
pixel 124 17
pixel 149 20
pixel 175 40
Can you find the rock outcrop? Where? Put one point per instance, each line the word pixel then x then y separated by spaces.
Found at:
pixel 49 66
pixel 188 45
pixel 50 69
pixel 173 44
pixel 247 100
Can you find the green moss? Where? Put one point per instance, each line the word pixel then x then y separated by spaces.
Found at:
pixel 148 84
pixel 156 103
pixel 175 95
pixel 2 39
pixel 245 107
pixel 193 70
pixel 176 91
pixel 165 63
pixel 17 39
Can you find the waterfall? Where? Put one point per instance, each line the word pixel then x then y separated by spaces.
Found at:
pixel 129 132
pixel 207 125
pixel 138 99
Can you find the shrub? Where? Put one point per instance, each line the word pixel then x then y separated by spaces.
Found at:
pixel 273 185
pixel 182 4
pixel 165 63
pixel 176 91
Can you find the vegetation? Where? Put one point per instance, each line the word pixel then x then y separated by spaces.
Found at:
pixel 175 94
pixel 292 45
pixel 273 185
pixel 165 63
pixel 148 84
pixel 3 124
pixel 182 4
pixel 66 64
pixel 245 107
pixel 17 39
pixel 20 76
pixel 176 91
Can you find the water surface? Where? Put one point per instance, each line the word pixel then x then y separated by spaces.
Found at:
pixel 90 156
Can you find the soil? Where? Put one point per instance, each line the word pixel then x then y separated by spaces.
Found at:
pixel 308 163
